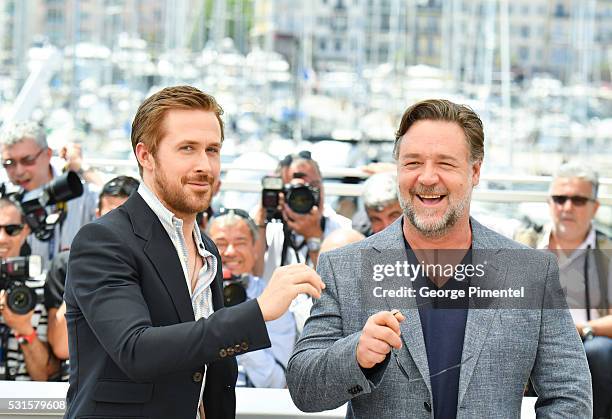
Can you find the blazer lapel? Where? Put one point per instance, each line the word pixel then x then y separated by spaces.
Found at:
pixel 162 254
pixel 482 312
pixel 391 248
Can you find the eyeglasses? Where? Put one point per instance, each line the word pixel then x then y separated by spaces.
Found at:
pixel 577 200
pixel 24 161
pixel 120 186
pixel 12 229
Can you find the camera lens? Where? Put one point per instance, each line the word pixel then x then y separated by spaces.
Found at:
pixel 300 199
pixel 20 299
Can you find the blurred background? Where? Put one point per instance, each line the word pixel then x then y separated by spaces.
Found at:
pixel 329 76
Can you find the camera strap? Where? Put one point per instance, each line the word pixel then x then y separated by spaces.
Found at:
pixel 288 242
pixel 4 337
pixel 62 209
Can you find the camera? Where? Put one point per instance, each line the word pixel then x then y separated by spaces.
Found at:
pixel 14 274
pixel 64 188
pixel 300 197
pixel 234 288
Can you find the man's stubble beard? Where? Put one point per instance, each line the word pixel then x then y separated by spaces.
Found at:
pixel 179 199
pixel 436 228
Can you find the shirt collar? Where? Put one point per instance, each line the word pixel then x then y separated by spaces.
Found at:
pixel 170 222
pixel 167 217
pixel 590 239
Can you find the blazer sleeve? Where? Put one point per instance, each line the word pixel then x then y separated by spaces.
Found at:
pixel 103 285
pixel 560 374
pixel 323 372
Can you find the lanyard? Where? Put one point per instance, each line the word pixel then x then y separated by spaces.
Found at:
pixel 586 283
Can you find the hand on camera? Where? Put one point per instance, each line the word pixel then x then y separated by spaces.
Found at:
pixel 19 323
pixel 284 285
pixel 307 225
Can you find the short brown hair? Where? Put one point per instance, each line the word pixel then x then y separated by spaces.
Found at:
pixel 147 127
pixel 444 110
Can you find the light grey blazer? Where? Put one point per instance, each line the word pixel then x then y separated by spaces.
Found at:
pixel 502 347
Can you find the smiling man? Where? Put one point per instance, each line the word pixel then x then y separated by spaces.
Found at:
pixel 25 353
pixel 470 359
pixel 147 331
pixel 235 235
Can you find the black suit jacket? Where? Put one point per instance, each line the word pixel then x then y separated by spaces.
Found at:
pixel 135 349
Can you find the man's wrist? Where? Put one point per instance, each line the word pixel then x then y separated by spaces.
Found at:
pixel 587 332
pixel 26 338
pixel 313 244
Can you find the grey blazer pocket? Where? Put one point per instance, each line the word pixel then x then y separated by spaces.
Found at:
pixel 122 392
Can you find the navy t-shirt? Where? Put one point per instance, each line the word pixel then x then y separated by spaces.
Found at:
pixel 443 323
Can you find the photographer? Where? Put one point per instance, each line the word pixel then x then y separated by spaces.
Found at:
pixel 235 233
pixel 297 239
pixel 26 157
pixel 24 351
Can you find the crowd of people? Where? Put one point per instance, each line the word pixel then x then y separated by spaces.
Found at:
pixel 257 248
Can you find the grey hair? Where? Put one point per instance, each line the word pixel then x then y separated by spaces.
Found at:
pixel 574 170
pixel 380 190
pixel 6 202
pixel 231 219
pixel 17 132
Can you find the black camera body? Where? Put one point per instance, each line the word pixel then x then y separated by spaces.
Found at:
pixel 33 204
pixel 300 197
pixel 14 274
pixel 234 288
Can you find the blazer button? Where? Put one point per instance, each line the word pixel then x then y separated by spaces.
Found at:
pixel 237 348
pixel 244 346
pixel 427 406
pixel 197 377
pixel 230 351
pixel 222 353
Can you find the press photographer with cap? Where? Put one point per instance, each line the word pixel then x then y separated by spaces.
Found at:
pixel 24 351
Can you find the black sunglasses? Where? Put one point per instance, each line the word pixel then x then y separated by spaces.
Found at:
pixel 12 229
pixel 577 200
pixel 237 211
pixel 288 159
pixel 120 186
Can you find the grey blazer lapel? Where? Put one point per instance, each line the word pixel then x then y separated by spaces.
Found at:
pixel 481 315
pixel 389 247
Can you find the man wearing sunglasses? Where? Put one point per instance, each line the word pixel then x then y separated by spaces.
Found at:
pixel 24 351
pixel 585 272
pixel 26 157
